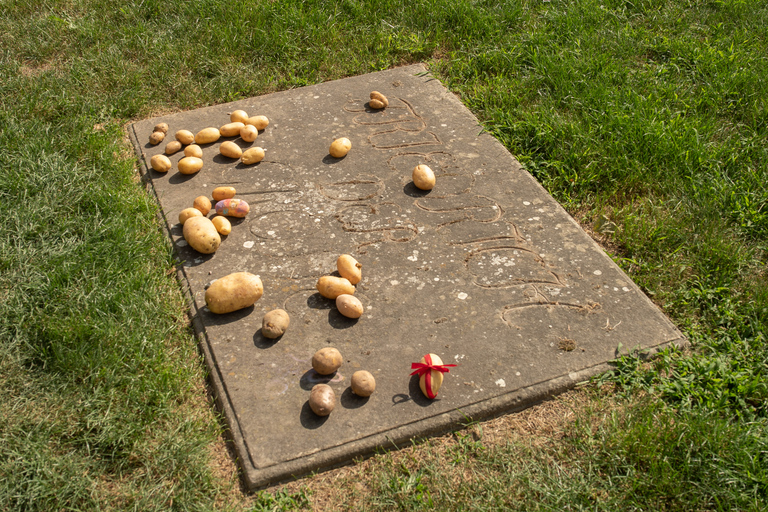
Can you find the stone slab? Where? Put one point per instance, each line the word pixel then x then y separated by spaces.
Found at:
pixel 486 270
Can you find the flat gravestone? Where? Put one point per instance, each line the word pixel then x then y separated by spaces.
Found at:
pixel 486 270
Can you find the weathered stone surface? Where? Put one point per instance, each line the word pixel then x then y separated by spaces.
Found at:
pixel 486 270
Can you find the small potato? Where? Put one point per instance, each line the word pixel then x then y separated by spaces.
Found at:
pixel 156 138
pixel 349 306
pixel 349 268
pixel 249 133
pixel 222 225
pixel 230 149
pixel 232 292
pixel 275 323
pixel 260 122
pixel 238 116
pixel 193 150
pixel 201 235
pixel 207 136
pixel 160 163
pixel 253 155
pixel 172 147
pixel 362 383
pixel 340 147
pixel 322 399
pixel 232 208
pixel 203 204
pixel 188 213
pixel 186 137
pixel 423 177
pixel 378 100
pixel 161 127
pixel 190 165
pixel 221 193
pixel 231 129
pixel 327 360
pixel 331 287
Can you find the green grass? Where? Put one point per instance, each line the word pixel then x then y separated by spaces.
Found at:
pixel 650 112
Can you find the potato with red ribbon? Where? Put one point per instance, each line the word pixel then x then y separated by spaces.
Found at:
pixel 430 371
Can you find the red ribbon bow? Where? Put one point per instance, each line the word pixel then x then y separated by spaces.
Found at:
pixel 426 370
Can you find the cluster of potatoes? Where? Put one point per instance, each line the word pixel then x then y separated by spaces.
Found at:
pixel 322 398
pixel 202 233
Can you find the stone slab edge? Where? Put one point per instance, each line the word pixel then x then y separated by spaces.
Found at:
pixel 398 437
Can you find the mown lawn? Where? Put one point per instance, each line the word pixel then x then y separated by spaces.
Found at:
pixel 651 113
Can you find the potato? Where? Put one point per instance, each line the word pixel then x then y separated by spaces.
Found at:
pixel 260 122
pixel 327 360
pixel 232 208
pixel 349 268
pixel 423 177
pixel 193 150
pixel 160 163
pixel 231 129
pixel 322 399
pixel 207 136
pixel 435 377
pixel 172 147
pixel 363 384
pixel 190 165
pixel 340 147
pixel 186 137
pixel 349 306
pixel 238 116
pixel 220 193
pixel 253 155
pixel 203 204
pixel 331 287
pixel 275 323
pixel 249 133
pixel 222 225
pixel 161 127
pixel 156 138
pixel 230 149
pixel 188 213
pixel 378 100
pixel 201 235
pixel 232 292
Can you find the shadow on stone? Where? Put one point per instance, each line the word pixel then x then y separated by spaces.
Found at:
pixel 339 321
pixel 349 400
pixel 416 395
pixel 262 342
pixel 226 318
pixel 309 419
pixel 412 190
pixel 317 301
pixel 311 379
pixel 181 178
pixel 328 159
pixel 221 159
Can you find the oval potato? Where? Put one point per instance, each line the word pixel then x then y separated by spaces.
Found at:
pixel 331 287
pixel 207 136
pixel 230 149
pixel 423 177
pixel 161 127
pixel 232 292
pixel 362 383
pixel 160 163
pixel 172 147
pixel 203 204
pixel 186 137
pixel 253 155
pixel 190 165
pixel 327 360
pixel 378 100
pixel 232 208
pixel 221 193
pixel 322 399
pixel 349 268
pixel 201 235
pixel 231 129
pixel 156 138
pixel 349 306
pixel 238 116
pixel 260 122
pixel 222 225
pixel 275 323
pixel 249 133
pixel 188 213
pixel 193 150
pixel 340 147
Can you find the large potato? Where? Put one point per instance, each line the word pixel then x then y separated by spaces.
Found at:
pixel 207 135
pixel 349 268
pixel 322 399
pixel 193 150
pixel 362 383
pixel 327 360
pixel 349 306
pixel 253 155
pixel 235 291
pixel 201 234
pixel 249 133
pixel 340 147
pixel 231 129
pixel 186 137
pixel 260 122
pixel 190 165
pixel 221 193
pixel 188 213
pixel 238 116
pixel 331 287
pixel 230 150
pixel 275 323
pixel 160 163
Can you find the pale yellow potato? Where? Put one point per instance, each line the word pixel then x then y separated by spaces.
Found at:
pixel 190 165
pixel 253 155
pixel 201 235
pixel 156 138
pixel 230 149
pixel 221 193
pixel 188 213
pixel 260 122
pixel 249 133
pixel 186 137
pixel 423 177
pixel 232 292
pixel 203 204
pixel 231 129
pixel 160 163
pixel 340 147
pixel 193 150
pixel 327 360
pixel 222 225
pixel 349 268
pixel 207 135
pixel 161 127
pixel 362 383
pixel 172 147
pixel 378 100
pixel 239 116
pixel 322 399
pixel 331 287
pixel 275 323
pixel 349 306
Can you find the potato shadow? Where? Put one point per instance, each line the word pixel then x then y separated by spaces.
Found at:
pixel 339 321
pixel 226 318
pixel 179 178
pixel 349 400
pixel 317 301
pixel 221 159
pixel 262 342
pixel 414 391
pixel 410 189
pixel 309 419
pixel 329 160
pixel 311 379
